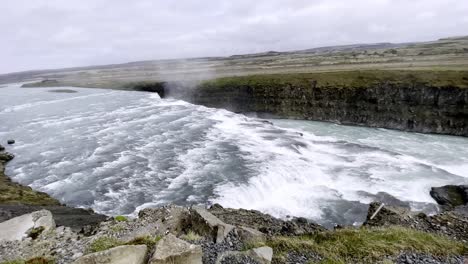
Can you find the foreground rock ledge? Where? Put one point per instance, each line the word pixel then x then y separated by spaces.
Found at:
pixel 117 255
pixel 171 250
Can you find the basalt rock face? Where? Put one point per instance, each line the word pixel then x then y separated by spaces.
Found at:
pixel 408 107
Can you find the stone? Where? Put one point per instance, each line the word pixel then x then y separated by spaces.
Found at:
pixel 450 195
pixel 203 222
pixel 11 141
pixel 117 255
pixel 260 255
pixel 2 148
pixel 5 156
pixel 250 235
pixel 19 227
pixel 172 250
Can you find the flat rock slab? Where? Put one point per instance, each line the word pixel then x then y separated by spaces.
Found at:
pixel 172 250
pixel 117 255
pixel 18 227
pixel 204 222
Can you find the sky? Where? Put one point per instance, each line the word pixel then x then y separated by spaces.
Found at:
pixel 46 34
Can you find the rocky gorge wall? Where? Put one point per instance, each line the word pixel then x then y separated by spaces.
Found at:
pixel 397 101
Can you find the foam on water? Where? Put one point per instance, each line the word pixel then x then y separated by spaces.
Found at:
pixel 118 152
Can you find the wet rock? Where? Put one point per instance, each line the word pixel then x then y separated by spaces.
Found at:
pixel 203 222
pixel 450 195
pixel 117 255
pixel 171 250
pixel 22 226
pixel 261 255
pixel 76 218
pixel 5 157
pixel 11 141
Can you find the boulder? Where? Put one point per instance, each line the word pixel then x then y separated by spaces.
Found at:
pixel 260 255
pixel 450 195
pixel 118 255
pixel 203 222
pixel 250 235
pixel 11 141
pixel 171 250
pixel 379 215
pixel 2 148
pixel 5 156
pixel 19 227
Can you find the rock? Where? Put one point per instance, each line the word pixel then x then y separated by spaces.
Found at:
pixel 203 222
pixel 264 223
pixel 450 195
pixel 77 218
pixel 250 235
pixel 19 227
pixel 261 255
pixel 5 156
pixel 171 250
pixel 11 141
pixel 117 255
pixel 387 215
pixel 2 148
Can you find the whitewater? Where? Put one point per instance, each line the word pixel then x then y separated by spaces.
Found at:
pixel 118 152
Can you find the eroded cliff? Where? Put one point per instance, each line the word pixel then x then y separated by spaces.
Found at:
pixel 418 101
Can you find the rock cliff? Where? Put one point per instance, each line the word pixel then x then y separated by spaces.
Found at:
pixel 428 102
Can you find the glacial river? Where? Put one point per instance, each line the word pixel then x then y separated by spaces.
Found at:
pixel 120 151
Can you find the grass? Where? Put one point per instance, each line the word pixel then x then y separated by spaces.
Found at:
pixel 367 245
pixel 191 236
pixel 14 193
pixel 105 243
pixel 121 218
pixel 344 79
pixel 36 260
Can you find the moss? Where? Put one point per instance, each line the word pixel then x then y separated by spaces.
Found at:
pixel 36 232
pixel 120 218
pixel 104 243
pixel 149 241
pixel 367 245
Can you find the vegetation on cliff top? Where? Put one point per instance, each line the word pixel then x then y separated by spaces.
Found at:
pixel 345 79
pixel 367 245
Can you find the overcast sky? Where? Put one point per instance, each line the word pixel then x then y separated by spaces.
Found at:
pixel 39 34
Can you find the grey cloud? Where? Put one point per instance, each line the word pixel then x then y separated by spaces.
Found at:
pixel 55 33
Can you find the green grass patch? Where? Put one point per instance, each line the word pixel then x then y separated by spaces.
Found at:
pixel 149 241
pixel 104 243
pixel 344 79
pixel 367 245
pixel 121 218
pixel 191 236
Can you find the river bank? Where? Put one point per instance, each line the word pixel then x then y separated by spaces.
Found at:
pixel 390 234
